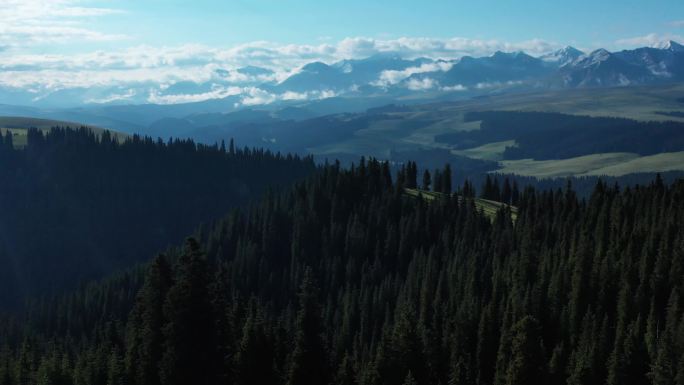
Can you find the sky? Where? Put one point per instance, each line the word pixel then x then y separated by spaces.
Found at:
pixel 67 43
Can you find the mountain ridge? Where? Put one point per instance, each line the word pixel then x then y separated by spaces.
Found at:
pixel 390 75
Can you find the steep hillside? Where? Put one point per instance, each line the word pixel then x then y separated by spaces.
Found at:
pixel 344 279
pixel 77 206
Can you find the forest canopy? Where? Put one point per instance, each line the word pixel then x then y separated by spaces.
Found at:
pixel 76 206
pixel 345 279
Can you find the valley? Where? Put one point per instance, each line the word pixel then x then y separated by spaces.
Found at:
pixel 392 131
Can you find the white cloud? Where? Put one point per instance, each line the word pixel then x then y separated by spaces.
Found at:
pixel 249 96
pixel 216 93
pixel 486 85
pixel 457 87
pixel 146 68
pixel 391 77
pixel 413 47
pixel 676 24
pixel 290 95
pixel 650 40
pixel 423 84
pixel 271 55
pixel 113 97
pixel 256 96
pixel 27 22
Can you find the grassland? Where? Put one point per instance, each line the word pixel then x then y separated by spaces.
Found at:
pixel 610 164
pixel 415 127
pixel 19 126
pixel 488 207
pixel 489 151
pixel 640 103
pixel 667 161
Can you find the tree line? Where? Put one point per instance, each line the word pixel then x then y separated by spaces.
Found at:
pixel 345 279
pixel 77 206
pixel 547 135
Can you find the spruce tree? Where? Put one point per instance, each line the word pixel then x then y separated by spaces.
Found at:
pixel 255 359
pixel 527 363
pixel 427 180
pixel 308 364
pixel 144 362
pixel 446 183
pixel 190 355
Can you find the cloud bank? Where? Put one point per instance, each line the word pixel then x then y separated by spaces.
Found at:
pixel 143 73
pixel 650 40
pixel 392 77
pixel 147 73
pixel 199 63
pixel 27 22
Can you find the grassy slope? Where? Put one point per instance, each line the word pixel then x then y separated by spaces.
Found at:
pixel 640 103
pixel 490 208
pixel 19 126
pixel 610 164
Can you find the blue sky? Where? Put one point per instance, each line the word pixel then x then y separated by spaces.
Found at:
pixel 585 23
pixel 51 45
pixel 223 23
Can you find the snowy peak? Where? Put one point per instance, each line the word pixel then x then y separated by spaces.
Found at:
pixel 671 46
pixel 563 56
pixel 510 55
pixel 594 58
pixel 316 67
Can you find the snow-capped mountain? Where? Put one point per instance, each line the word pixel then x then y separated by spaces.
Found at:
pixel 666 62
pixel 562 56
pixel 389 76
pixel 601 68
pixel 346 75
pixel 670 45
pixel 629 67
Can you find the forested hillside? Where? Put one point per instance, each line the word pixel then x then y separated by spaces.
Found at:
pixel 543 135
pixel 345 279
pixel 75 205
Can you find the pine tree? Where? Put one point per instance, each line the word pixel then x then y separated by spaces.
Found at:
pixel 412 175
pixel 526 365
pixel 446 183
pixel 345 373
pixel 406 352
pixel 427 181
pixel 664 368
pixel 308 364
pixel 459 373
pixel 507 192
pixel 254 362
pixel 9 140
pixel 143 363
pixel 410 380
pixel 437 181
pixel 25 364
pixel 115 370
pixel 189 337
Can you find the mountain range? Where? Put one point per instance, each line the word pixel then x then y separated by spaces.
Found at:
pixel 388 76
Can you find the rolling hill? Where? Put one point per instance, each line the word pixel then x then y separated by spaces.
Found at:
pixel 18 126
pixel 406 131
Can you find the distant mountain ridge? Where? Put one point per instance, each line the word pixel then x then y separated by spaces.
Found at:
pixel 566 67
pixel 389 76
